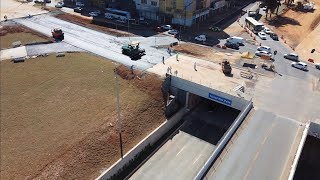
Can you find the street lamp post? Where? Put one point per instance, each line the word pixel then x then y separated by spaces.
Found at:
pixel 118 109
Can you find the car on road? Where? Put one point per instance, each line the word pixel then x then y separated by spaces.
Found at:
pixel 201 38
pixel 262 35
pixel 79 4
pixel 93 14
pixel 274 36
pixel 232 45
pixel 173 32
pixel 291 56
pixel 166 27
pixel 264 48
pixel 263 53
pixel 300 65
pixel 108 16
pixel 121 21
pixel 264 8
pixel 215 29
pixel 267 30
pixel 59 5
pixel 317 66
pixel 78 9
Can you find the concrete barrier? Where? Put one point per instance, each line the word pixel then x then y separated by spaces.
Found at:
pixel 151 139
pixel 297 155
pixel 224 140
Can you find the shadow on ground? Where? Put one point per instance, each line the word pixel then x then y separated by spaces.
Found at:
pixel 209 121
pixel 281 21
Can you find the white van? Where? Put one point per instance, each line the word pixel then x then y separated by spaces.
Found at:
pixel 236 40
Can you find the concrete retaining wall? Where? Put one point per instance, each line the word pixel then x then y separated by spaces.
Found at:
pixel 224 140
pixel 203 91
pixel 149 140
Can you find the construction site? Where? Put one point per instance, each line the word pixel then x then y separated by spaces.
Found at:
pixel 83 101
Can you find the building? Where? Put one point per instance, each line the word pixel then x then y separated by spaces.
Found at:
pixel 184 12
pixel 148 9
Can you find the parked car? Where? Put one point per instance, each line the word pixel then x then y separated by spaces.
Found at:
pixel 79 4
pixel 78 9
pixel 232 45
pixel 262 35
pixel 264 48
pixel 166 27
pixel 59 5
pixel 263 53
pixel 201 38
pixel 93 14
pixel 158 29
pixel 264 8
pixel 215 29
pixel 121 21
pixel 108 16
pixel 173 32
pixel 274 36
pixel 317 66
pixel 267 30
pixel 300 65
pixel 291 56
pixel 236 40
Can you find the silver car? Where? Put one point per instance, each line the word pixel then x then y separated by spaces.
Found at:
pixel 291 56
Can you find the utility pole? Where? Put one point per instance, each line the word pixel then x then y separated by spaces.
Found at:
pixel 118 109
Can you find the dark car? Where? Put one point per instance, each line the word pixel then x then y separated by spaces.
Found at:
pixel 232 45
pixel 158 29
pixel 274 36
pixel 78 9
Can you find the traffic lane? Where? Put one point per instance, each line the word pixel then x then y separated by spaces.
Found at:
pixel 179 158
pixel 261 157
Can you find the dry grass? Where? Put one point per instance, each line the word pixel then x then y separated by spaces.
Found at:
pixel 58 116
pixel 10 34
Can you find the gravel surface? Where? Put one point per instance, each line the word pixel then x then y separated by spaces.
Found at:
pixel 50 48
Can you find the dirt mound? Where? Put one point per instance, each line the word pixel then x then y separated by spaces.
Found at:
pixel 148 83
pixel 11 29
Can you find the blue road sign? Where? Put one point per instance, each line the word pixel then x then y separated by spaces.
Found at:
pixel 220 99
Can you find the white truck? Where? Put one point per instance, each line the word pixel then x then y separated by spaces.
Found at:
pixel 236 40
pixel 201 38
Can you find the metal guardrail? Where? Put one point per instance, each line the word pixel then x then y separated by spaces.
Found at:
pixel 224 140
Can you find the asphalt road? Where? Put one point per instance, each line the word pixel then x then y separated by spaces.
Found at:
pixel 261 150
pixel 182 156
pixel 100 43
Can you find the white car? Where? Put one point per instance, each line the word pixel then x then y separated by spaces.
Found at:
pixel 201 38
pixel 93 14
pixel 173 32
pixel 300 65
pixel 262 35
pixel 264 48
pixel 263 53
pixel 166 27
pixel 108 16
pixel 267 30
pixel 79 4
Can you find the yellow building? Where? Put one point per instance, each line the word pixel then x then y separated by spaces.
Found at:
pixel 184 12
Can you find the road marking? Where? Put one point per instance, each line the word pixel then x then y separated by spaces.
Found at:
pixel 180 151
pixel 259 149
pixel 197 159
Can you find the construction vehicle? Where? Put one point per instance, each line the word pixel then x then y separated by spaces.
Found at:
pixel 133 50
pixel 57 34
pixel 226 67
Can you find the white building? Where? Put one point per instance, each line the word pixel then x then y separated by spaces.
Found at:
pixel 148 9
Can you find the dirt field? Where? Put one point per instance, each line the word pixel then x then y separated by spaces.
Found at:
pixel 295 25
pixel 59 118
pixel 207 53
pixel 14 9
pixel 13 33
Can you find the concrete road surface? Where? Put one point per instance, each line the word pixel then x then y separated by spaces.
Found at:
pixel 261 151
pixel 99 43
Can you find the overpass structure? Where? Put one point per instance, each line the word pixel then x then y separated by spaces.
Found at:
pixel 215 112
